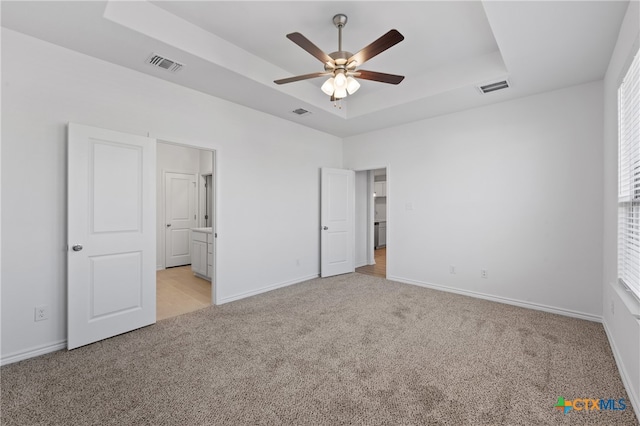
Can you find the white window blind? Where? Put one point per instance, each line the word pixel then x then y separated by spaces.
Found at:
pixel 629 178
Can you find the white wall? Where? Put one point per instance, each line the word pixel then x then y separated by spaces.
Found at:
pixel 206 162
pixel 262 161
pixel 622 327
pixel 515 188
pixel 178 159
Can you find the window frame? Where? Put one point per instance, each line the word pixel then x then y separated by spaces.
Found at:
pixel 628 231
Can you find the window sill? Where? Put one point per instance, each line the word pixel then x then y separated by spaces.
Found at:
pixel 629 300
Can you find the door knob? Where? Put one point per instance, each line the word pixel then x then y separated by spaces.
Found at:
pixel 168 225
pixel 76 247
pixel 325 228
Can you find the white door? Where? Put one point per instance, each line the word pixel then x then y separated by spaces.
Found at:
pixel 111 286
pixel 180 217
pixel 337 222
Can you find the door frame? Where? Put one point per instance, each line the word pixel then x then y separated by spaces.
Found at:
pixel 371 214
pixel 187 143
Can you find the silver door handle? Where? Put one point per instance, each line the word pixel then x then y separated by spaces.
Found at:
pixel 168 225
pixel 76 247
pixel 325 228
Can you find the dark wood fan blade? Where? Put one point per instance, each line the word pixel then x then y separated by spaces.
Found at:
pixel 301 77
pixel 304 42
pixel 388 40
pixel 379 76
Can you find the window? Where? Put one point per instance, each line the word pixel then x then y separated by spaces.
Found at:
pixel 629 178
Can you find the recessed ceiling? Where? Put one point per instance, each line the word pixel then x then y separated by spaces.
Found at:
pixel 449 31
pixel 235 49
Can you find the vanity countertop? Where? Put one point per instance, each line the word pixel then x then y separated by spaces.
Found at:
pixel 207 230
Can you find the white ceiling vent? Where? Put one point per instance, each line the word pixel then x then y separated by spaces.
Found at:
pixel 492 87
pixel 165 63
pixel 301 111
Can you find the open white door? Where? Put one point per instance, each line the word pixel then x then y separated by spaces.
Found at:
pixel 111 229
pixel 337 222
pixel 180 217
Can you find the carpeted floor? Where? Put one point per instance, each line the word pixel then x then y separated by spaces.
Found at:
pixel 351 349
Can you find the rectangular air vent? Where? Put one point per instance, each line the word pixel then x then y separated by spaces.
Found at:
pixel 165 63
pixel 492 87
pixel 300 111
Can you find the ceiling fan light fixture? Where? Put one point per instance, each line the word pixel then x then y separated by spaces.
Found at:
pixel 340 81
pixel 352 85
pixel 341 65
pixel 327 87
pixel 340 93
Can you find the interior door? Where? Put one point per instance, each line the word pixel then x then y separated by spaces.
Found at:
pixel 111 286
pixel 337 222
pixel 180 217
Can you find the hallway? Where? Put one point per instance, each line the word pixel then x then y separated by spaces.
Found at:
pixel 380 268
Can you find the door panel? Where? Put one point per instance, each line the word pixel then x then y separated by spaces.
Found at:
pixel 337 222
pixel 111 285
pixel 180 212
pixel 122 189
pixel 115 284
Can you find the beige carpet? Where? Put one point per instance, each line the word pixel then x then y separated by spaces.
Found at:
pixel 352 349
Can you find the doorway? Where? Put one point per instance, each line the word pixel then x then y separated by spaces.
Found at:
pixel 371 222
pixel 185 200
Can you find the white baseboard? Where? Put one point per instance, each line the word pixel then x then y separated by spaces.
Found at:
pixel 626 380
pixel 506 300
pixel 159 267
pixel 265 289
pixel 33 352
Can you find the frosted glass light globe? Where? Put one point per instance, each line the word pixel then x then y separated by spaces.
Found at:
pixel 340 81
pixel 352 85
pixel 340 93
pixel 327 87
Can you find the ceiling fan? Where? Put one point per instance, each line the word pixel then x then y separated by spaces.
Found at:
pixel 341 66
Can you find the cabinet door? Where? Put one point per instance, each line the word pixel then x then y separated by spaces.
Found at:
pixel 380 189
pixel 199 258
pixel 382 235
pixel 210 255
pixel 377 188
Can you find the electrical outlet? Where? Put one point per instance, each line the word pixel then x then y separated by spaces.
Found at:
pixel 484 273
pixel 297 262
pixel 613 308
pixel 452 269
pixel 41 313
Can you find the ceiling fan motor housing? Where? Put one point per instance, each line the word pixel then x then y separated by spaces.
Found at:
pixel 340 60
pixel 340 20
